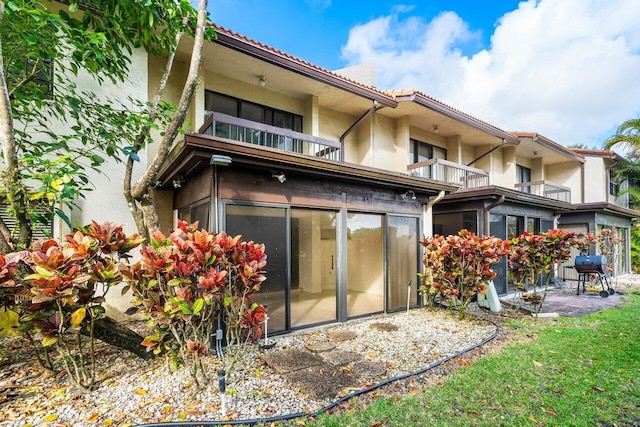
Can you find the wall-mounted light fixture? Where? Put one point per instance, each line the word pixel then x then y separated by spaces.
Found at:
pixel 279 176
pixel 436 129
pixel 177 183
pixel 220 160
pixel 262 82
pixel 407 194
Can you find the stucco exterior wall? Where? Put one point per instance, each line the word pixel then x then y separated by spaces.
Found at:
pixel 508 177
pixel 106 202
pixel 388 153
pixel 566 174
pixel 595 187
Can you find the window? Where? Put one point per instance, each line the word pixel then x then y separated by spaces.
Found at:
pixel 219 103
pixel 198 211
pixel 421 151
pixel 22 69
pixel 40 229
pixel 533 225
pixel 613 183
pixel 523 174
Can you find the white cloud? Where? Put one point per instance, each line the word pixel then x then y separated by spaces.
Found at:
pixel 565 68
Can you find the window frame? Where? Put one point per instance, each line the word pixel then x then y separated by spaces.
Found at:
pixel 268 113
pixel 414 144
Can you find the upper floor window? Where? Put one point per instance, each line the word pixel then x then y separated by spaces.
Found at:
pixel 219 103
pixel 421 151
pixel 613 183
pixel 523 174
pixel 34 74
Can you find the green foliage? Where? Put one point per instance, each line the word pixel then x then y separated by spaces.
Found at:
pixel 635 247
pixel 532 255
pixel 188 280
pixel 59 289
pixel 627 135
pixel 458 267
pixel 609 245
pixel 45 47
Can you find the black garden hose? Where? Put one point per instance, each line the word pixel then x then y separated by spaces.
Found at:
pixel 332 405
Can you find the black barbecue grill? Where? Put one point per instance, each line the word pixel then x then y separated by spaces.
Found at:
pixel 593 265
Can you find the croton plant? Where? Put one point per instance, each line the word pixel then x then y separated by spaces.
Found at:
pixel 189 280
pixel 59 288
pixel 458 267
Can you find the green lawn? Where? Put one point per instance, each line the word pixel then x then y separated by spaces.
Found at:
pixel 575 372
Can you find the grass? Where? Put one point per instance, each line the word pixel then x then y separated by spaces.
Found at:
pixel 574 371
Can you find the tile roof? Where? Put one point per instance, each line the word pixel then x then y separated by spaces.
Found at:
pixel 390 94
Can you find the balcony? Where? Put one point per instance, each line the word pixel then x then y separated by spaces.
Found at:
pixel 237 129
pixel 450 172
pixel 546 189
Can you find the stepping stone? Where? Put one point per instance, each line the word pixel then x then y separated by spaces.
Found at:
pixel 320 347
pixel 341 335
pixel 320 381
pixel 384 326
pixel 342 358
pixel 367 369
pixel 291 360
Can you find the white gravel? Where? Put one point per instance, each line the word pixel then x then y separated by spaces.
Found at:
pixel 133 391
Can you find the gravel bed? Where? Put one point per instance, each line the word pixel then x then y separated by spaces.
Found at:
pixel 133 391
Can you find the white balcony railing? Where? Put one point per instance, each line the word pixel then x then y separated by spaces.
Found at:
pixel 237 129
pixel 450 172
pixel 546 189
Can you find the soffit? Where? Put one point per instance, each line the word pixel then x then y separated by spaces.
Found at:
pixel 247 68
pixel 530 149
pixel 425 118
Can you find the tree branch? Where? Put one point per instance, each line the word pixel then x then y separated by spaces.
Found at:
pixel 145 183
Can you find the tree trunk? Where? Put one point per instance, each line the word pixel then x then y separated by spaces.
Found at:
pixel 141 190
pixel 12 181
pixel 108 330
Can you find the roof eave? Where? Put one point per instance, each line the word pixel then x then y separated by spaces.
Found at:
pixel 551 145
pixel 458 115
pixel 300 67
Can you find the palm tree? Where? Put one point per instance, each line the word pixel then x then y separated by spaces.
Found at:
pixel 628 135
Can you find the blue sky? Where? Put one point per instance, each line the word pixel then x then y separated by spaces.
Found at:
pixel 316 30
pixel 568 69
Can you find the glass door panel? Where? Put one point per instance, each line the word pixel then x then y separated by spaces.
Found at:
pixel 402 253
pixel 269 226
pixel 313 267
pixel 498 228
pixel 365 264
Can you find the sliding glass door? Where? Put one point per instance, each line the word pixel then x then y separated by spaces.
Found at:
pixel 266 225
pixel 402 259
pixel 313 267
pixel 365 264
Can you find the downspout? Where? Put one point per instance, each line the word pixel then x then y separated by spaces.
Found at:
pixel 427 216
pixel 582 189
pixel 486 213
pixel 427 220
pixel 488 152
pixel 374 107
